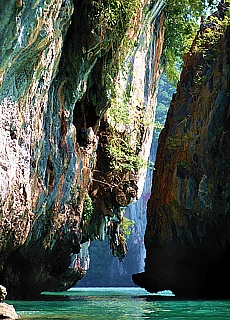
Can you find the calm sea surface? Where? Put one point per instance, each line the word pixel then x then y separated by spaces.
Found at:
pixel 119 303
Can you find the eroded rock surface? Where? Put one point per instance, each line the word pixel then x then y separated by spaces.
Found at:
pixel 57 76
pixel 188 226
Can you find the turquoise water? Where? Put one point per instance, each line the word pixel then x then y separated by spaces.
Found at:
pixel 118 304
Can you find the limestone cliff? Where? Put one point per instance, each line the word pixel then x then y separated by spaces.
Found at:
pixel 59 72
pixel 188 224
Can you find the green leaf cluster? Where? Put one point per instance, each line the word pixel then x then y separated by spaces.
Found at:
pixel 126 226
pixel 181 24
pixel 116 16
pixel 208 39
pixel 122 156
pixel 87 208
pixel 119 109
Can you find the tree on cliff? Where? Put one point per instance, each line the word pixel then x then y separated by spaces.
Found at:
pixel 181 24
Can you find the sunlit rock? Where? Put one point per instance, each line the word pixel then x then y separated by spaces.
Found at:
pixel 188 226
pixel 57 79
pixel 7 311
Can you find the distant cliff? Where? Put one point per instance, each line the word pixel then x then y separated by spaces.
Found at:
pixel 188 221
pixel 60 73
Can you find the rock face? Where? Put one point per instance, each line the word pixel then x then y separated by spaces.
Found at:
pixel 57 78
pixel 3 293
pixel 6 311
pixel 188 225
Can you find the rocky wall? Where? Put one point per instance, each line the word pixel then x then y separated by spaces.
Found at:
pixel 188 220
pixel 55 60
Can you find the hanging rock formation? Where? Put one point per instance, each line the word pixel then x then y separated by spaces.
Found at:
pixel 58 66
pixel 107 270
pixel 188 224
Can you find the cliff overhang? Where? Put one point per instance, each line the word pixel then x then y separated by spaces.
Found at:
pixel 59 70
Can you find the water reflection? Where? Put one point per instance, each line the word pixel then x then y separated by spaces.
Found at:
pixel 119 304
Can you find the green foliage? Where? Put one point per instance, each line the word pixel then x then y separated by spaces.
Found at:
pixel 183 169
pixel 158 126
pixel 181 25
pixel 126 226
pixel 119 109
pixel 122 156
pixel 173 143
pixel 183 164
pixel 208 39
pixel 87 208
pixel 117 15
pixel 115 19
